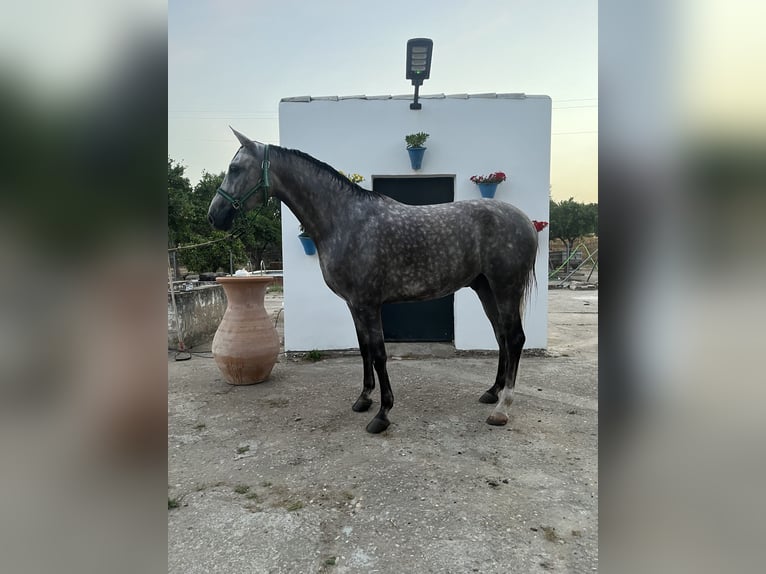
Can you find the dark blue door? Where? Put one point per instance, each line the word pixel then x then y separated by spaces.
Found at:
pixel 420 320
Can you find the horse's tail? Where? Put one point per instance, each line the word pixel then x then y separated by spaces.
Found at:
pixel 530 284
pixel 530 281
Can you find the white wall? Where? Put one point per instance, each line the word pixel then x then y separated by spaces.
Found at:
pixel 469 135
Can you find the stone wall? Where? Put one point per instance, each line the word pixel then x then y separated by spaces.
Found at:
pixel 200 312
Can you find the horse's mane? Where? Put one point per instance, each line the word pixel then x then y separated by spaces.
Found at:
pixel 333 174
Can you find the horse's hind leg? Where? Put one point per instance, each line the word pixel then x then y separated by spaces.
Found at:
pixel 487 298
pixel 513 338
pixel 364 401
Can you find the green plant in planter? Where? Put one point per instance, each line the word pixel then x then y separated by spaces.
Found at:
pixel 352 177
pixel 416 140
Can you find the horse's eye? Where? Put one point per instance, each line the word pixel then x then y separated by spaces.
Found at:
pixel 233 169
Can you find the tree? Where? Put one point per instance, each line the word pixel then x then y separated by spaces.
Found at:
pixel 216 256
pixel 263 229
pixel 571 220
pixel 257 230
pixel 179 203
pixel 180 208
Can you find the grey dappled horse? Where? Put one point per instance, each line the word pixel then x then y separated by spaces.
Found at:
pixel 374 250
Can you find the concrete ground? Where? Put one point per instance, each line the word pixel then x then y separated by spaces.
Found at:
pixel 281 477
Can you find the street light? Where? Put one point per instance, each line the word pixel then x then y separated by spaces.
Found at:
pixel 419 52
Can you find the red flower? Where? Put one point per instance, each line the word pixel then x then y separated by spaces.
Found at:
pixel 497 177
pixel 539 225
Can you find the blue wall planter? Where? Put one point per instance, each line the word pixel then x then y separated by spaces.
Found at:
pixel 487 189
pixel 416 156
pixel 308 244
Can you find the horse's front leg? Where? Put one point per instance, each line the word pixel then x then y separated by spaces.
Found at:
pixel 370 329
pixel 378 347
pixel 364 402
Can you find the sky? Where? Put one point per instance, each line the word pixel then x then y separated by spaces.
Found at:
pixel 230 62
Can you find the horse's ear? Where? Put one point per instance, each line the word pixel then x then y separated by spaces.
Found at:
pixel 244 140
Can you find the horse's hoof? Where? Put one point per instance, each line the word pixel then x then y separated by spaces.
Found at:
pixel 377 425
pixel 488 398
pixel 497 419
pixel 361 405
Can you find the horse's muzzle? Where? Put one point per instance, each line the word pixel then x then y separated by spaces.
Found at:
pixel 221 217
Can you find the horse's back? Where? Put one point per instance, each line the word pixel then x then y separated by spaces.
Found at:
pixel 505 227
pixel 492 227
pixel 468 237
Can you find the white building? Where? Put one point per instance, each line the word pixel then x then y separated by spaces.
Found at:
pixel 469 135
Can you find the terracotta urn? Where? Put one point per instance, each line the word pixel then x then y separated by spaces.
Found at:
pixel 246 344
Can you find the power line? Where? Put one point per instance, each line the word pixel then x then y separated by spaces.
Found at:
pixel 223 117
pixel 222 111
pixel 226 140
pixel 573 133
pixel 574 107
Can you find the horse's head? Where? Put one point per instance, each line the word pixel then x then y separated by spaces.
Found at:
pixel 246 183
